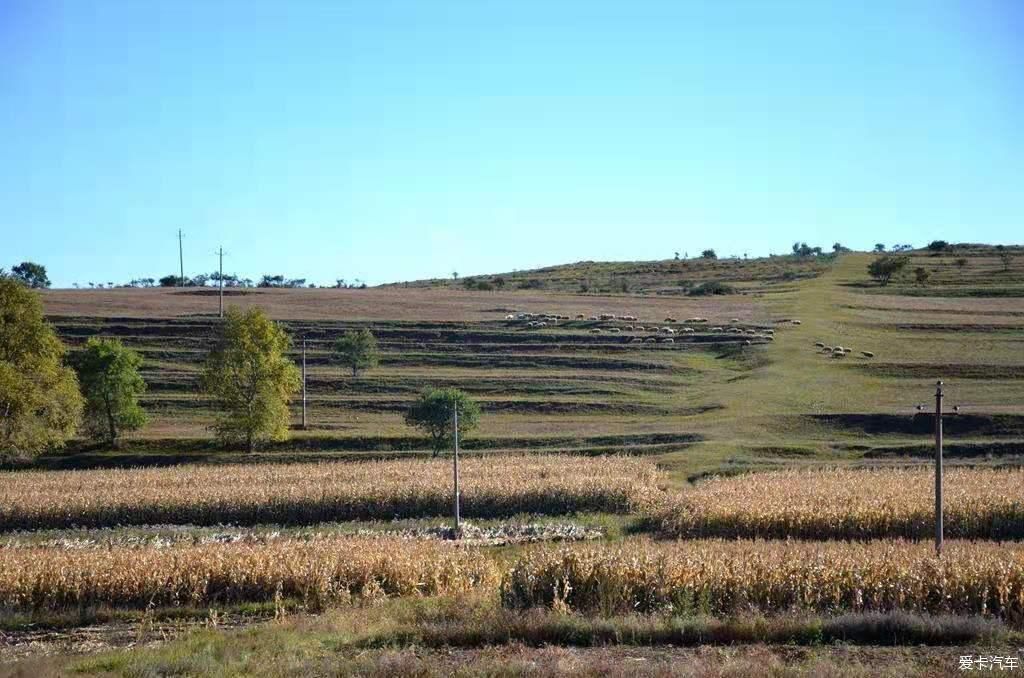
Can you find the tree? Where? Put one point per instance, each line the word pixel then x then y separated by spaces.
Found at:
pixel 433 411
pixel 708 254
pixel 961 263
pixel 251 379
pixel 839 248
pixel 921 275
pixel 1004 256
pixel 31 274
pixel 171 281
pixel 879 247
pixel 884 268
pixel 938 246
pixel 40 405
pixel 358 350
pixel 109 375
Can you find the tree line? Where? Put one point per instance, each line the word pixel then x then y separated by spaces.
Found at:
pixel 48 394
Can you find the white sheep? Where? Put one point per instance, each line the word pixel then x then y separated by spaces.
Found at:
pixel 867 354
pixel 668 340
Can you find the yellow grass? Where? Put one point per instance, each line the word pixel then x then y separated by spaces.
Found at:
pixel 850 504
pixel 302 494
pixel 722 577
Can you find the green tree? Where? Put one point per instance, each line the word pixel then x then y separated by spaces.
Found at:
pixel 40 405
pixel 251 379
pixel 884 268
pixel 961 263
pixel 433 411
pixel 358 350
pixel 879 247
pixel 109 375
pixel 32 274
pixel 708 254
pixel 921 275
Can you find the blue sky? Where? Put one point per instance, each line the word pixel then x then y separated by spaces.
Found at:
pixel 390 140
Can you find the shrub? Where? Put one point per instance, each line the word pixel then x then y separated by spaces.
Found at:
pixel 884 268
pixel 710 288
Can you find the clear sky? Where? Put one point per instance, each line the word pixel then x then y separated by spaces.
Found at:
pixel 389 140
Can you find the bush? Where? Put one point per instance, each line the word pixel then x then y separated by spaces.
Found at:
pixel 938 246
pixel 921 275
pixel 707 289
pixel 708 254
pixel 884 268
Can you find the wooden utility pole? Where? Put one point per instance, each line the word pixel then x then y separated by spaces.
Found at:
pixel 220 253
pixel 938 468
pixel 181 262
pixel 303 383
pixel 455 427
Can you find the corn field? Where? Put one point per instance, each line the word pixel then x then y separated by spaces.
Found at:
pixel 305 494
pixel 317 571
pixel 849 504
pixel 725 577
pixel 639 575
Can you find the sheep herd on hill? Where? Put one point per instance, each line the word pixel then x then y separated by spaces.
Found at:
pixel 665 333
pixel 839 351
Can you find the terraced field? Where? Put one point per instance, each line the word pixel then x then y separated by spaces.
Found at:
pixel 708 402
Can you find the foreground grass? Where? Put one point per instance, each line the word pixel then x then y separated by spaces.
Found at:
pixel 473 636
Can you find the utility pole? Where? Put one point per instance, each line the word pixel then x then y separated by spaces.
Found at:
pixel 938 468
pixel 220 253
pixel 181 262
pixel 303 383
pixel 455 426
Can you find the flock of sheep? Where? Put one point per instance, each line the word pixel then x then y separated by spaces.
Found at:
pixel 666 333
pixel 839 351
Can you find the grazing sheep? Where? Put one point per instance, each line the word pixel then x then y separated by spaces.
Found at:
pixel 668 340
pixel 795 322
pixel 770 338
pixel 650 340
pixel 640 328
pixel 751 331
pixel 542 324
pixel 716 329
pixel 748 342
pixel 637 340
pixel 615 330
pixel 734 320
pixel 596 330
pixel 769 331
pixel 629 328
pixel 838 349
pixel 579 316
pixel 593 317
pixel 867 354
pixel 607 316
pixel 688 330
pixel 671 320
pixel 819 344
pixel 847 349
pixel 827 349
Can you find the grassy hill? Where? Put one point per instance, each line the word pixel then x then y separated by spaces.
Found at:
pixel 669 276
pixel 707 402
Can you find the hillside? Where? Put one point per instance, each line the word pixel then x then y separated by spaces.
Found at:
pixel 669 276
pixel 708 401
